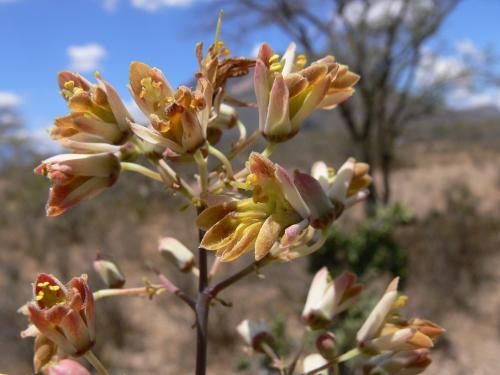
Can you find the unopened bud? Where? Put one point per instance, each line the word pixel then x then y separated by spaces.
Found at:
pixel 255 334
pixel 67 367
pixel 178 254
pixel 109 272
pixel 325 343
pixel 44 351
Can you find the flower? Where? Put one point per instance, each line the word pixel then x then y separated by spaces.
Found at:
pixel 178 254
pixel 346 187
pixel 67 367
pixel 411 362
pixel 328 297
pixel 287 92
pixel 236 226
pixel 314 361
pixel 64 314
pixel 178 119
pixel 109 272
pixel 77 176
pixel 385 330
pixel 255 334
pixel 98 121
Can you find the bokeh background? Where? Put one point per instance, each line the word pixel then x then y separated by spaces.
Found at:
pixel 426 116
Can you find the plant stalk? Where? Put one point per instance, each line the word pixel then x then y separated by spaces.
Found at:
pixel 202 309
pixel 94 361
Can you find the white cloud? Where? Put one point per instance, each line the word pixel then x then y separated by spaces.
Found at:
pixel 465 98
pixel 110 5
pixel 85 58
pixel 9 99
pixel 154 5
pixel 380 12
pixel 39 139
pixel 435 69
pixel 469 49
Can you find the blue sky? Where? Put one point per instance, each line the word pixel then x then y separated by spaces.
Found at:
pixel 41 37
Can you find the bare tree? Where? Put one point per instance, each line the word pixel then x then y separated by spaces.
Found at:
pixel 383 41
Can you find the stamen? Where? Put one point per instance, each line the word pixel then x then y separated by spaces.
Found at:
pixel 39 296
pixel 277 66
pixel 274 58
pixel 54 288
pixel 43 284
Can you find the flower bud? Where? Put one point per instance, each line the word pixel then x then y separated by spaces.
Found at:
pixel 43 352
pixel 176 253
pixel 255 334
pixel 67 367
pixel 76 177
pixel 312 362
pixel 64 314
pixel 328 297
pixel 109 272
pixel 401 363
pixel 326 345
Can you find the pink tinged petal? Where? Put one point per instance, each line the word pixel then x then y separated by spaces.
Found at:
pixel 106 131
pixel 373 324
pixel 291 193
pixel 311 102
pixel 89 147
pixel 39 318
pixel 154 137
pixel 79 81
pixel 333 100
pixel 277 124
pixel 261 166
pixel 266 238
pixel 74 328
pixel 117 107
pixel 265 53
pixel 317 290
pixel 398 340
pixel 208 92
pixel 289 58
pixel 293 232
pixel 340 186
pixel 341 283
pixel 80 283
pixel 320 207
pixel 319 171
pixel 261 86
pixel 95 165
pixel 62 197
pixel 67 367
pixel 192 135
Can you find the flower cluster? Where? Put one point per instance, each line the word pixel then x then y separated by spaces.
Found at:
pixel 279 215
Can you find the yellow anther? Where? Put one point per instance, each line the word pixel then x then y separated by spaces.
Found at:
pixel 226 52
pixel 276 67
pixel 39 296
pixel 251 179
pixel 70 85
pixel 143 93
pixel 54 288
pixel 274 58
pixel 220 43
pixel 43 284
pixel 400 302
